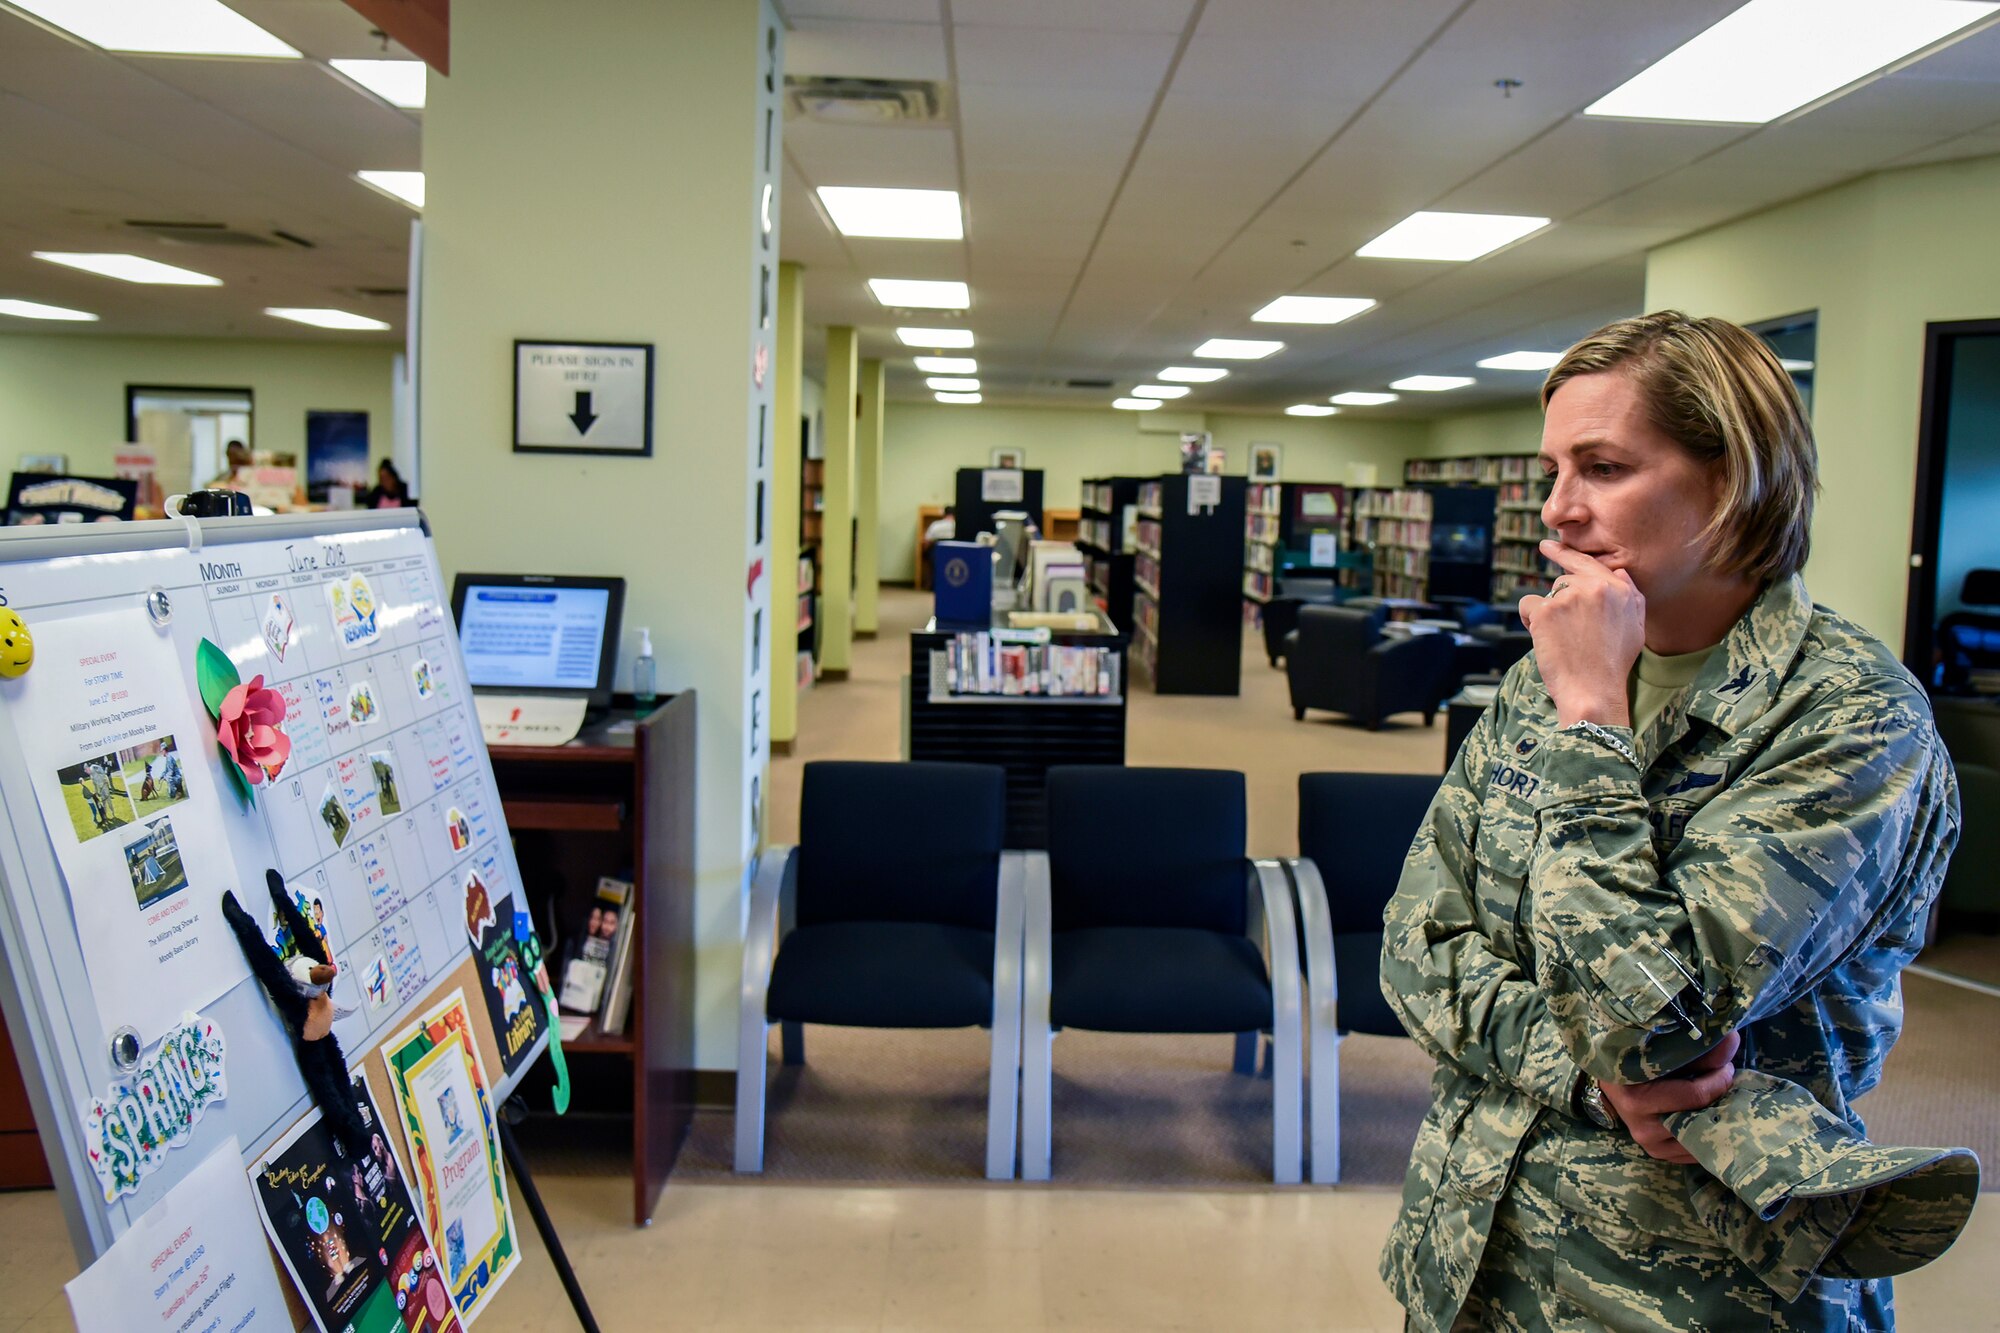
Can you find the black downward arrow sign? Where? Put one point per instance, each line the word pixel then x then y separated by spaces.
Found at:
pixel 583 417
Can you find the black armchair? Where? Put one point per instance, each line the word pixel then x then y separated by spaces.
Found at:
pixel 898 909
pixel 1281 613
pixel 1145 916
pixel 1355 830
pixel 1342 662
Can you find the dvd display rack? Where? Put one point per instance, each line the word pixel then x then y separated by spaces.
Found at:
pixel 1187 579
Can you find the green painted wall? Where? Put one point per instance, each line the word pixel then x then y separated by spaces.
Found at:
pixel 925 444
pixel 593 175
pixel 1507 430
pixel 1878 258
pixel 65 393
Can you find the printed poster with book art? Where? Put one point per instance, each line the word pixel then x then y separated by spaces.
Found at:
pixel 352 1240
pixel 124 766
pixel 513 992
pixel 448 1114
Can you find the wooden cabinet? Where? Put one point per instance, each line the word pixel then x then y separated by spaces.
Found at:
pixel 619 800
pixel 22 1163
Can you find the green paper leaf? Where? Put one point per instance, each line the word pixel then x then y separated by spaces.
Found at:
pixel 216 675
pixel 237 780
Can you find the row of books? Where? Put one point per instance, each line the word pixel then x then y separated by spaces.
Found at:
pixel 1520 493
pixel 977 663
pixel 1256 555
pixel 1393 504
pixel 1264 498
pixel 1397 532
pixel 1262 528
pixel 597 979
pixel 1489 470
pixel 1257 584
pixel 1519 526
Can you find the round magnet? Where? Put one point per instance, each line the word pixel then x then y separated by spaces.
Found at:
pixel 159 607
pixel 17 646
pixel 125 1050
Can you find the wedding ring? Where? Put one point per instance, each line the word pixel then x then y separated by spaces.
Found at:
pixel 1557 587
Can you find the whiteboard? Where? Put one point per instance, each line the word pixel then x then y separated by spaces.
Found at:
pixel 391 884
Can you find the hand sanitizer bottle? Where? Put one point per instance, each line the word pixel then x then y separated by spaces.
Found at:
pixel 645 684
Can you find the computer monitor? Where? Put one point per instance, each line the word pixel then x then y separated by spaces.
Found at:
pixel 539 633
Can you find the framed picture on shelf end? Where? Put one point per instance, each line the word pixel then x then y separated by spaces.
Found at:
pixel 1008 458
pixel 1265 461
pixel 583 398
pixel 1216 462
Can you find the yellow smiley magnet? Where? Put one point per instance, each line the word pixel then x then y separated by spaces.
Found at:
pixel 17 646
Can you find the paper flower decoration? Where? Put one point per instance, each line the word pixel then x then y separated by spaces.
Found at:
pixel 248 720
pixel 250 725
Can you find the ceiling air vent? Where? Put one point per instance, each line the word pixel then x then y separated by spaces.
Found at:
pixel 197 233
pixel 840 101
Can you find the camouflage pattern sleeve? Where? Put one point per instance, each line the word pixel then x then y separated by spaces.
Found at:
pixel 1457 996
pixel 1776 878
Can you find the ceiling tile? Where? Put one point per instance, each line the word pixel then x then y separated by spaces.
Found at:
pixel 865 50
pixel 1080 15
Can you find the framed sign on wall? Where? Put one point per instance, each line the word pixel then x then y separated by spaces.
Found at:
pixel 583 398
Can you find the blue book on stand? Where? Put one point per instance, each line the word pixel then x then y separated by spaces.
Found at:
pixel 962 575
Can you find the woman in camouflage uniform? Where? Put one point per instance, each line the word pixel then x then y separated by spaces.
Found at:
pixel 1653 925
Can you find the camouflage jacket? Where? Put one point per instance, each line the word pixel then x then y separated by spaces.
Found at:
pixel 1765 867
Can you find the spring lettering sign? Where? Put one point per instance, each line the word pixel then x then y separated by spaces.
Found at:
pixel 129 1130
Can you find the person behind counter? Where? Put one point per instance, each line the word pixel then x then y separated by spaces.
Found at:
pixel 389 491
pixel 237 477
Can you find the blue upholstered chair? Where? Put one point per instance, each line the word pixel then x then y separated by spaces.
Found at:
pixel 1145 916
pixel 1355 831
pixel 897 909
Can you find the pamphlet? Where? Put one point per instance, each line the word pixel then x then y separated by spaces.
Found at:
pixel 126 776
pixel 355 1246
pixel 448 1114
pixel 194 1260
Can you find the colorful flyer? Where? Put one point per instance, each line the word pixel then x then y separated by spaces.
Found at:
pixel 504 977
pixel 353 1242
pixel 357 621
pixel 194 1260
pixel 448 1114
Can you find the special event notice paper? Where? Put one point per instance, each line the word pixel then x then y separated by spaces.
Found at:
pixel 194 1260
pixel 125 773
pixel 455 1150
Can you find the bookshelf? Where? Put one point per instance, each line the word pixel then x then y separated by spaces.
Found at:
pixel 1394 527
pixel 619 800
pixel 1104 524
pixel 1187 601
pixel 1519 489
pixel 1280 519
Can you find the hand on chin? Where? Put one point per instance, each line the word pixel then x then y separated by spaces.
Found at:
pixel 1588 632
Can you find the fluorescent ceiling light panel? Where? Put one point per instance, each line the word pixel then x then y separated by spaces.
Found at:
pixel 408 186
pixel 1358 399
pixel 1135 404
pixel 1192 374
pixel 131 268
pixel 1522 361
pixel 1312 309
pixel 1792 364
pixel 956 397
pixel 1431 383
pixel 1774 56
pixel 1237 349
pixel 324 319
pixel 952 383
pixel 917 215
pixel 1310 410
pixel 1450 236
pixel 947 365
pixel 935 337
pixel 920 293
pixel 397 82
pixel 1160 391
pixel 36 310
pixel 160 27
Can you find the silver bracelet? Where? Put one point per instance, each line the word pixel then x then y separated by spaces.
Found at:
pixel 1604 736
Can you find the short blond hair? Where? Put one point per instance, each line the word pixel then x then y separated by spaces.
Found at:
pixel 1718 391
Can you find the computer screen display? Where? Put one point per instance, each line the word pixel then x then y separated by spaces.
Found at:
pixel 533 632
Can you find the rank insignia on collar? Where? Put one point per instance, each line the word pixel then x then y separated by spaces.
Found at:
pixel 1738 685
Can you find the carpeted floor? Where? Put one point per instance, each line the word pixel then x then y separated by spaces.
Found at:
pixel 909 1107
